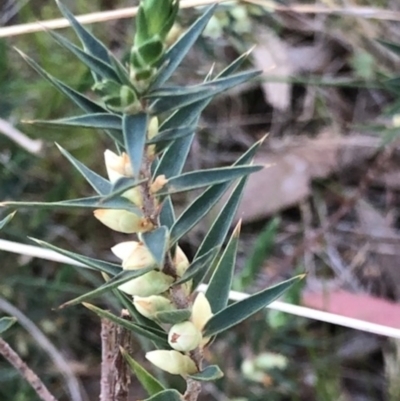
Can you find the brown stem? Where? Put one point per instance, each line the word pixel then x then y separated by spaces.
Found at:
pixel 108 346
pixel 28 374
pixel 193 389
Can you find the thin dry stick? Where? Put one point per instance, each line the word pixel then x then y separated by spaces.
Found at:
pixel 108 330
pixel 30 376
pixel 91 18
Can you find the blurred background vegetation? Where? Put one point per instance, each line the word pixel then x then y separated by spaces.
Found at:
pixel 329 203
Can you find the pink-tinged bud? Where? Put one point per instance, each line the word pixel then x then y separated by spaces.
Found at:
pixel 149 306
pixel 159 182
pixel 172 362
pixel 184 337
pixel 152 283
pixel 123 221
pixel 134 255
pixel 201 311
pixel 117 166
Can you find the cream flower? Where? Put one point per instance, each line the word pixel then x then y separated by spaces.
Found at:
pixel 172 362
pixel 134 255
pixel 123 221
pixel 184 336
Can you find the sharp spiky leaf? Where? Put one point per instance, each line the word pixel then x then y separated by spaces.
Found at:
pixel 145 378
pixel 201 92
pixel 210 373
pixel 80 100
pixel 164 138
pixel 203 204
pixel 156 242
pixel 166 395
pixel 204 178
pixel 94 202
pixel 91 44
pixel 173 57
pixel 173 317
pixel 235 65
pixel 6 322
pixel 95 64
pixel 88 263
pixel 239 311
pixel 116 281
pixel 122 185
pixel 135 131
pixel 98 120
pixel 159 337
pixel 98 183
pixel 6 220
pixel 220 283
pixel 167 215
pixel 198 266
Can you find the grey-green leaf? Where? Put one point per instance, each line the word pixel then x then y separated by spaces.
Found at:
pixel 166 395
pixel 173 317
pixel 89 41
pixel 122 185
pixel 220 283
pixel 203 204
pixel 181 47
pixel 97 120
pixel 167 215
pixel 198 266
pixel 210 373
pixel 156 242
pixel 205 178
pixel 94 202
pixel 158 337
pixel 199 92
pixel 89 263
pixel 98 183
pixel 146 379
pixel 239 311
pixel 80 100
pixel 115 282
pixel 6 220
pixel 135 129
pixel 6 322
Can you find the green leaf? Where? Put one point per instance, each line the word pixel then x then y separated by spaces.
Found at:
pixel 6 323
pixel 166 395
pixel 259 253
pixel 176 53
pixel 95 64
pixel 122 185
pixel 220 283
pixel 115 282
pixel 6 220
pixel 173 317
pixel 210 373
pixel 98 183
pixel 203 204
pixel 167 214
pixel 142 33
pixel 239 311
pixel 198 266
pixel 97 120
pixel 220 227
pixel 393 47
pixel 145 378
pixel 135 129
pixel 91 44
pixel 158 337
pixel 94 202
pixel 164 138
pixel 204 178
pixel 235 65
pixel 89 263
pixel 156 242
pixel 80 100
pixel 194 94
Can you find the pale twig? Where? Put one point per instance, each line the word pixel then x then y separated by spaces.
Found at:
pixel 91 18
pixel 58 360
pixel 31 145
pixel 28 374
pixel 108 332
pixel 296 310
